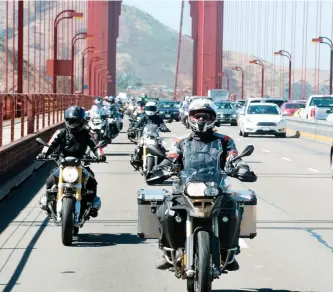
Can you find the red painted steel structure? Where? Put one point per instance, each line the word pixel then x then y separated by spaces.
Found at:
pixel 207 34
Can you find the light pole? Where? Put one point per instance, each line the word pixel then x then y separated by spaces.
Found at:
pixel 95 59
pixel 228 81
pixel 74 40
pixel 286 54
pixel 57 20
pixel 99 66
pixel 261 64
pixel 86 51
pixel 321 40
pixel 240 69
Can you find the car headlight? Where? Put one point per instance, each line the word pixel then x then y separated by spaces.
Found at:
pixel 234 115
pixel 211 191
pixel 196 189
pixel 70 174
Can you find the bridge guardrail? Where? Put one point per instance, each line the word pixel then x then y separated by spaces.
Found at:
pixel 39 115
pixel 316 130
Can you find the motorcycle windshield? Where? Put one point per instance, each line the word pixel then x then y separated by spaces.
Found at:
pixel 203 165
pixel 151 130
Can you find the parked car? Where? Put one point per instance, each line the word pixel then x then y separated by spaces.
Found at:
pixel 226 113
pixel 263 119
pixel 168 110
pixel 289 108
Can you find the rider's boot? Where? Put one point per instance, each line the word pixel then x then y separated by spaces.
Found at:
pixel 96 204
pixel 163 264
pixel 233 264
pixel 45 199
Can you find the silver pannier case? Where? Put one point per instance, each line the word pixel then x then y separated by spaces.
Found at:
pixel 248 201
pixel 149 200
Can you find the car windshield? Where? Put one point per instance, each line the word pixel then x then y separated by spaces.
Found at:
pixel 150 130
pixel 262 110
pixel 224 105
pixel 322 102
pixel 167 104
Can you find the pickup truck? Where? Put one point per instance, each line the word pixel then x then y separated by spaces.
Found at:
pixel 318 107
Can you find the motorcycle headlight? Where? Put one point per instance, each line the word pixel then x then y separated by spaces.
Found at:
pixel 97 121
pixel 70 174
pixel 211 191
pixel 196 189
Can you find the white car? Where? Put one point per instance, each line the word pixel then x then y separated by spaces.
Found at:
pixel 263 119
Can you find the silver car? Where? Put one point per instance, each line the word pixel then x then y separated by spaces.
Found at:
pixel 226 113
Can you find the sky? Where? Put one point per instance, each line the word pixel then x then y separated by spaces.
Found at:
pixel 250 28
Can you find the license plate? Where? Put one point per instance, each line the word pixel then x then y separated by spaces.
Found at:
pixel 265 129
pixel 167 116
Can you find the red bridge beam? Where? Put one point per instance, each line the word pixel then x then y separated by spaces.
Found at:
pixel 207 34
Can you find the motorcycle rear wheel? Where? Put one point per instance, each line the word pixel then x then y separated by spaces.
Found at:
pixel 67 219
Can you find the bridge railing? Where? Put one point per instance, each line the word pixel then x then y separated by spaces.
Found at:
pixel 23 114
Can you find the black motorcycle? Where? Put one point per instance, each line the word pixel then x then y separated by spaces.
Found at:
pixel 204 219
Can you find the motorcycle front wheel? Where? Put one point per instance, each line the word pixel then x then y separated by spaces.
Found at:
pixel 150 165
pixel 67 219
pixel 202 260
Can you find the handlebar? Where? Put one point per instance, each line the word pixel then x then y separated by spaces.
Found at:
pixel 56 157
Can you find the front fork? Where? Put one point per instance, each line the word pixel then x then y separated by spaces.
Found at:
pixel 215 248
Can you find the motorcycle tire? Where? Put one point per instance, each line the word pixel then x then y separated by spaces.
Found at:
pixel 150 165
pixel 67 220
pixel 202 261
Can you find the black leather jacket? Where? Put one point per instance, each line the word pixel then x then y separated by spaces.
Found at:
pixel 155 119
pixel 68 144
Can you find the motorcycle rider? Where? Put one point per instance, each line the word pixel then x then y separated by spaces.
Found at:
pixel 112 112
pixel 73 140
pixel 202 118
pixel 150 116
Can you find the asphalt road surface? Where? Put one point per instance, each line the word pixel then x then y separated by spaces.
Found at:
pixel 292 252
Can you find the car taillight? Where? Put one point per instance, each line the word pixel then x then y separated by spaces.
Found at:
pixel 312 112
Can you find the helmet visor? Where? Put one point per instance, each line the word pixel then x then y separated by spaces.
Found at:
pixel 73 123
pixel 202 116
pixel 150 108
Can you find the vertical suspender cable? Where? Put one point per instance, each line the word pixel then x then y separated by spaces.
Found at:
pixel 319 33
pixel 28 66
pixel 178 52
pixel 316 54
pixel 13 48
pixel 306 51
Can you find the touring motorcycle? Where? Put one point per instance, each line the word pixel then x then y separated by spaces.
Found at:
pixel 150 137
pixel 205 222
pixel 98 125
pixel 69 202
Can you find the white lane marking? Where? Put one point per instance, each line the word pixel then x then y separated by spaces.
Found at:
pixel 242 243
pixel 312 169
pixel 286 158
pixel 265 150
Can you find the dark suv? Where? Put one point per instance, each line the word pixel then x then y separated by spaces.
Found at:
pixel 168 110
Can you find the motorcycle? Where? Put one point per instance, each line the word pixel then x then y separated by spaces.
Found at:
pixel 97 124
pixel 150 137
pixel 69 205
pixel 134 133
pixel 205 223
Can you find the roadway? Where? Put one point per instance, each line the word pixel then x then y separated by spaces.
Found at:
pixel 292 252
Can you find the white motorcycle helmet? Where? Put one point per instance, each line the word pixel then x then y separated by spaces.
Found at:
pixel 201 115
pixel 151 108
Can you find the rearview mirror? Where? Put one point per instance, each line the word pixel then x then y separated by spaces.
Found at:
pixel 247 151
pixel 42 142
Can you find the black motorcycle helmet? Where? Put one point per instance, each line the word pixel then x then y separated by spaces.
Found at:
pixel 75 118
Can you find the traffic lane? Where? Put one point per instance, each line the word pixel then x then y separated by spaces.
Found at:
pixel 311 156
pixel 107 253
pixel 108 246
